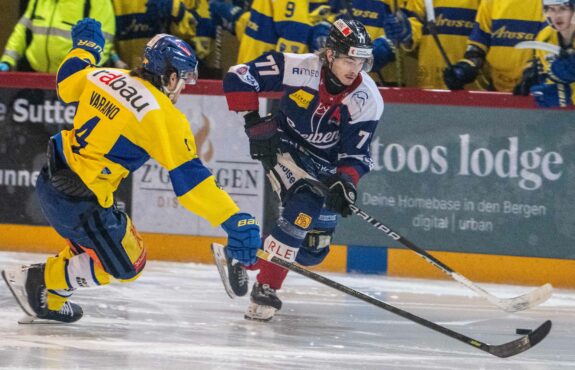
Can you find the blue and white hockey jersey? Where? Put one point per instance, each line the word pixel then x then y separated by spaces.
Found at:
pixel 335 130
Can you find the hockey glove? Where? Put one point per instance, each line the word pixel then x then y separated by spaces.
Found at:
pixel 243 237
pixel 383 53
pixel 341 194
pixel 462 73
pixel 397 27
pixel 552 95
pixel 531 77
pixel 87 34
pixel 4 67
pixel 225 14
pixel 264 138
pixel 318 36
pixel 563 69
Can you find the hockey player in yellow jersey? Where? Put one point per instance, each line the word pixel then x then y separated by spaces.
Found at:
pixel 500 25
pixel 554 73
pixel 454 20
pixel 122 119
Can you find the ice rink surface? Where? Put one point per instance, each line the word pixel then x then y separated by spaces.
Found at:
pixel 178 316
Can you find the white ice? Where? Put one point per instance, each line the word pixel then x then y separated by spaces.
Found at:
pixel 178 316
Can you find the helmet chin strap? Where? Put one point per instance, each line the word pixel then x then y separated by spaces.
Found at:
pixel 172 93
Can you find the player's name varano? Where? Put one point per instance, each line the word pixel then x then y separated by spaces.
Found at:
pixel 410 202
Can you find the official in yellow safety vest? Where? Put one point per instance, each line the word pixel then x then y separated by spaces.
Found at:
pixel 42 37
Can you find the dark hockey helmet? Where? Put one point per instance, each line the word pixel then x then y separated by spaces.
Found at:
pixel 166 53
pixel 349 37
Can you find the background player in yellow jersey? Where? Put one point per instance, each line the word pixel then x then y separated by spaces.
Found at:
pixel 123 118
pixel 556 90
pixel 500 25
pixel 454 21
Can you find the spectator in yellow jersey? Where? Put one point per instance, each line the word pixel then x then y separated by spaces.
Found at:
pixel 122 119
pixel 499 26
pixel 138 20
pixel 454 20
pixel 41 39
pixel 556 89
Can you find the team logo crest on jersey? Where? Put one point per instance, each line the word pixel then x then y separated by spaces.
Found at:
pixel 303 220
pixel 343 27
pixel 360 98
pixel 302 98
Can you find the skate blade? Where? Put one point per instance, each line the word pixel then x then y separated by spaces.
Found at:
pixel 16 282
pixel 257 312
pixel 220 260
pixel 29 320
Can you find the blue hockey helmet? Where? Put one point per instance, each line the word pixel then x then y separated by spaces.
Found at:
pixel 166 53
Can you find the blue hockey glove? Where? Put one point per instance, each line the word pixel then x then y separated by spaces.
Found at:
pixel 87 34
pixel 318 36
pixel 4 67
pixel 383 53
pixel 243 237
pixel 264 138
pixel 563 69
pixel 397 28
pixel 552 95
pixel 462 73
pixel 225 14
pixel 341 194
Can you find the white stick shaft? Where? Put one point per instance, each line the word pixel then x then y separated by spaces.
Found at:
pixel 429 11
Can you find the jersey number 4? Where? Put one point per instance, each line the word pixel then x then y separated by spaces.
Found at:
pixel 83 132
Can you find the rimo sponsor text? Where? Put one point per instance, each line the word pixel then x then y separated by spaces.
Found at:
pixel 530 166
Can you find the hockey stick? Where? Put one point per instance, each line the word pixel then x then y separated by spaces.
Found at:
pixel 432 27
pixel 501 350
pixel 399 55
pixel 519 303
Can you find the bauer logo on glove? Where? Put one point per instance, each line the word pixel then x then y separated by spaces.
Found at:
pixel 91 45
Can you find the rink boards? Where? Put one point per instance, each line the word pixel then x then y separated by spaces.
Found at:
pixel 354 259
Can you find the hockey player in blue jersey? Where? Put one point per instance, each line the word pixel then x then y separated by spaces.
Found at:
pixel 327 117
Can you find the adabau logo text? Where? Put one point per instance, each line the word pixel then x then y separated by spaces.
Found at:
pixel 530 166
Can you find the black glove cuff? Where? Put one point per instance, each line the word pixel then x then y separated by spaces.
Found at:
pixel 251 118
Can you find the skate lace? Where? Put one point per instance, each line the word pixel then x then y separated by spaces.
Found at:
pixel 66 310
pixel 267 290
pixel 44 298
pixel 243 279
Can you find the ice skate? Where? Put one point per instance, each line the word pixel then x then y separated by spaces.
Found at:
pixel 238 277
pixel 264 303
pixel 233 274
pixel 27 285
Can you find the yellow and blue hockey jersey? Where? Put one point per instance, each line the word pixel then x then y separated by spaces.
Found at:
pixel 551 36
pixel 454 21
pixel 281 25
pixel 121 121
pixel 499 26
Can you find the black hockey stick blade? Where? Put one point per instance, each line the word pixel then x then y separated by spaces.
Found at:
pixel 521 344
pixel 503 350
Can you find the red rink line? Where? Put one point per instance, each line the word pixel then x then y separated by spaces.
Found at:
pixel 391 95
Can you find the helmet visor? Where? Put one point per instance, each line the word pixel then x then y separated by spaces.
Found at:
pixel 190 77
